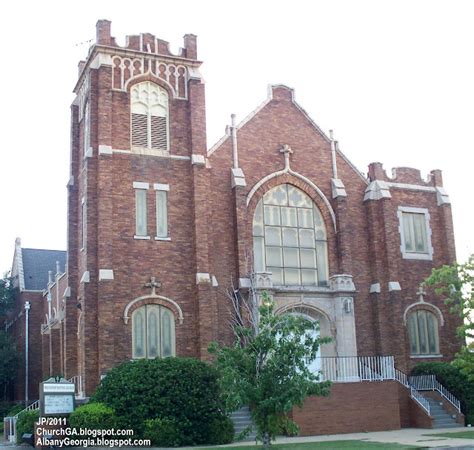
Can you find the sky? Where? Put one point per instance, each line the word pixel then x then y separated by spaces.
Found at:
pixel 393 79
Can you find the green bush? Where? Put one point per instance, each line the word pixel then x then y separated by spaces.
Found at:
pixel 26 423
pixel 15 409
pixel 94 416
pixel 454 381
pixel 162 432
pixel 184 390
pixel 221 431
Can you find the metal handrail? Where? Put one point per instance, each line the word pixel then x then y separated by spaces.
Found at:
pixel 403 379
pixel 430 383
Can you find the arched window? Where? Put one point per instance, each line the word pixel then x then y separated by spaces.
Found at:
pixel 153 332
pixel 423 332
pixel 289 238
pixel 149 107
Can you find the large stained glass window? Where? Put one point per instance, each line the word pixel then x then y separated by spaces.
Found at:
pixel 290 238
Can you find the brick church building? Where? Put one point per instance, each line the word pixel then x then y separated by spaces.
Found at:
pixel 160 226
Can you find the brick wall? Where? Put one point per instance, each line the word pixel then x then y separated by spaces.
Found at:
pixel 351 407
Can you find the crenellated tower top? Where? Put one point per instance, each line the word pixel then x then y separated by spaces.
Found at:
pixel 143 55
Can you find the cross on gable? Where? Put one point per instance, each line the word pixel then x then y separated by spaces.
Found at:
pixel 153 284
pixel 286 150
pixel 421 292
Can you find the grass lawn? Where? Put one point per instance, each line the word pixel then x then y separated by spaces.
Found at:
pixel 457 434
pixel 332 445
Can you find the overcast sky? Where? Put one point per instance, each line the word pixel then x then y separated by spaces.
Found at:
pixel 394 79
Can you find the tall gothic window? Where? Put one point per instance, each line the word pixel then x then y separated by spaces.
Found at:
pixel 153 332
pixel 423 333
pixel 289 238
pixel 149 121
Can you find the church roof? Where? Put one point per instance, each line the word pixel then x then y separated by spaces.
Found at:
pixel 37 263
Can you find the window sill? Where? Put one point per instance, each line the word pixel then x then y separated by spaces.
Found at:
pixel 418 256
pixel 425 356
pixel 162 238
pixel 142 238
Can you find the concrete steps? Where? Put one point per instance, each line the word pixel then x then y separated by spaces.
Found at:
pixel 442 419
pixel 243 419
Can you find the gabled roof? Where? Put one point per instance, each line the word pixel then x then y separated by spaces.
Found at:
pixel 36 265
pixel 250 116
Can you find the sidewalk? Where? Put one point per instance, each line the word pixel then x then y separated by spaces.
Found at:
pixel 409 436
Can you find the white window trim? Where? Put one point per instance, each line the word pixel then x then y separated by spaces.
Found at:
pixel 162 187
pixel 141 186
pixel 83 224
pixel 414 255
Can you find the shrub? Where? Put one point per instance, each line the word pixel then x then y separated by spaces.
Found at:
pixel 162 432
pixel 184 390
pixel 220 431
pixel 454 381
pixel 94 416
pixel 26 423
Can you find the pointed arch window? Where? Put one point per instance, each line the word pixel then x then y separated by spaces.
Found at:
pixel 289 238
pixel 423 333
pixel 149 117
pixel 153 332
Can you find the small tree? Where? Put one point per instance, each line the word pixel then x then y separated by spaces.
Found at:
pixel 7 296
pixel 267 367
pixel 8 353
pixel 456 283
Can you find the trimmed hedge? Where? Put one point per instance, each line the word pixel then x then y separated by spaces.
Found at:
pixel 454 381
pixel 94 416
pixel 181 392
pixel 26 424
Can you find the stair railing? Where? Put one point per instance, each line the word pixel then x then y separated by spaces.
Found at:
pixel 430 383
pixel 414 394
pixel 12 420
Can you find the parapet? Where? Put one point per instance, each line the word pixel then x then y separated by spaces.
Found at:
pixel 404 175
pixel 145 42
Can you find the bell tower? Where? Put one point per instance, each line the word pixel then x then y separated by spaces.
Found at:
pixel 137 179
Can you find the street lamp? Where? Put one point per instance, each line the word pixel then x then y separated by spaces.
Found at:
pixel 27 310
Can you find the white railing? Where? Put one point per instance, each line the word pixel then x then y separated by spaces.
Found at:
pixel 79 388
pixel 12 420
pixel 425 404
pixel 430 383
pixel 355 368
pixel 402 378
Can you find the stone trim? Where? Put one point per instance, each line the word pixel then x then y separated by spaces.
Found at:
pixel 338 188
pixel 394 286
pixel 85 277
pixel 161 187
pixel 287 170
pixel 198 160
pixel 374 288
pixel 140 185
pixel 106 274
pixel 105 150
pixel 377 190
pixel 176 307
pixel 423 305
pixel 203 278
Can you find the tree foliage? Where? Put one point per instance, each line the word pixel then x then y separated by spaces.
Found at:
pixel 456 284
pixel 7 296
pixel 267 367
pixel 8 364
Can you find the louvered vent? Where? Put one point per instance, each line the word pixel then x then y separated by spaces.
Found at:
pixel 158 133
pixel 139 130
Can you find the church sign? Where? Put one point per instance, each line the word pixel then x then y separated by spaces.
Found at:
pixel 56 397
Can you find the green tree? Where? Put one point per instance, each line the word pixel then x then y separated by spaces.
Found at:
pixel 7 296
pixel 8 364
pixel 8 353
pixel 267 367
pixel 456 284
